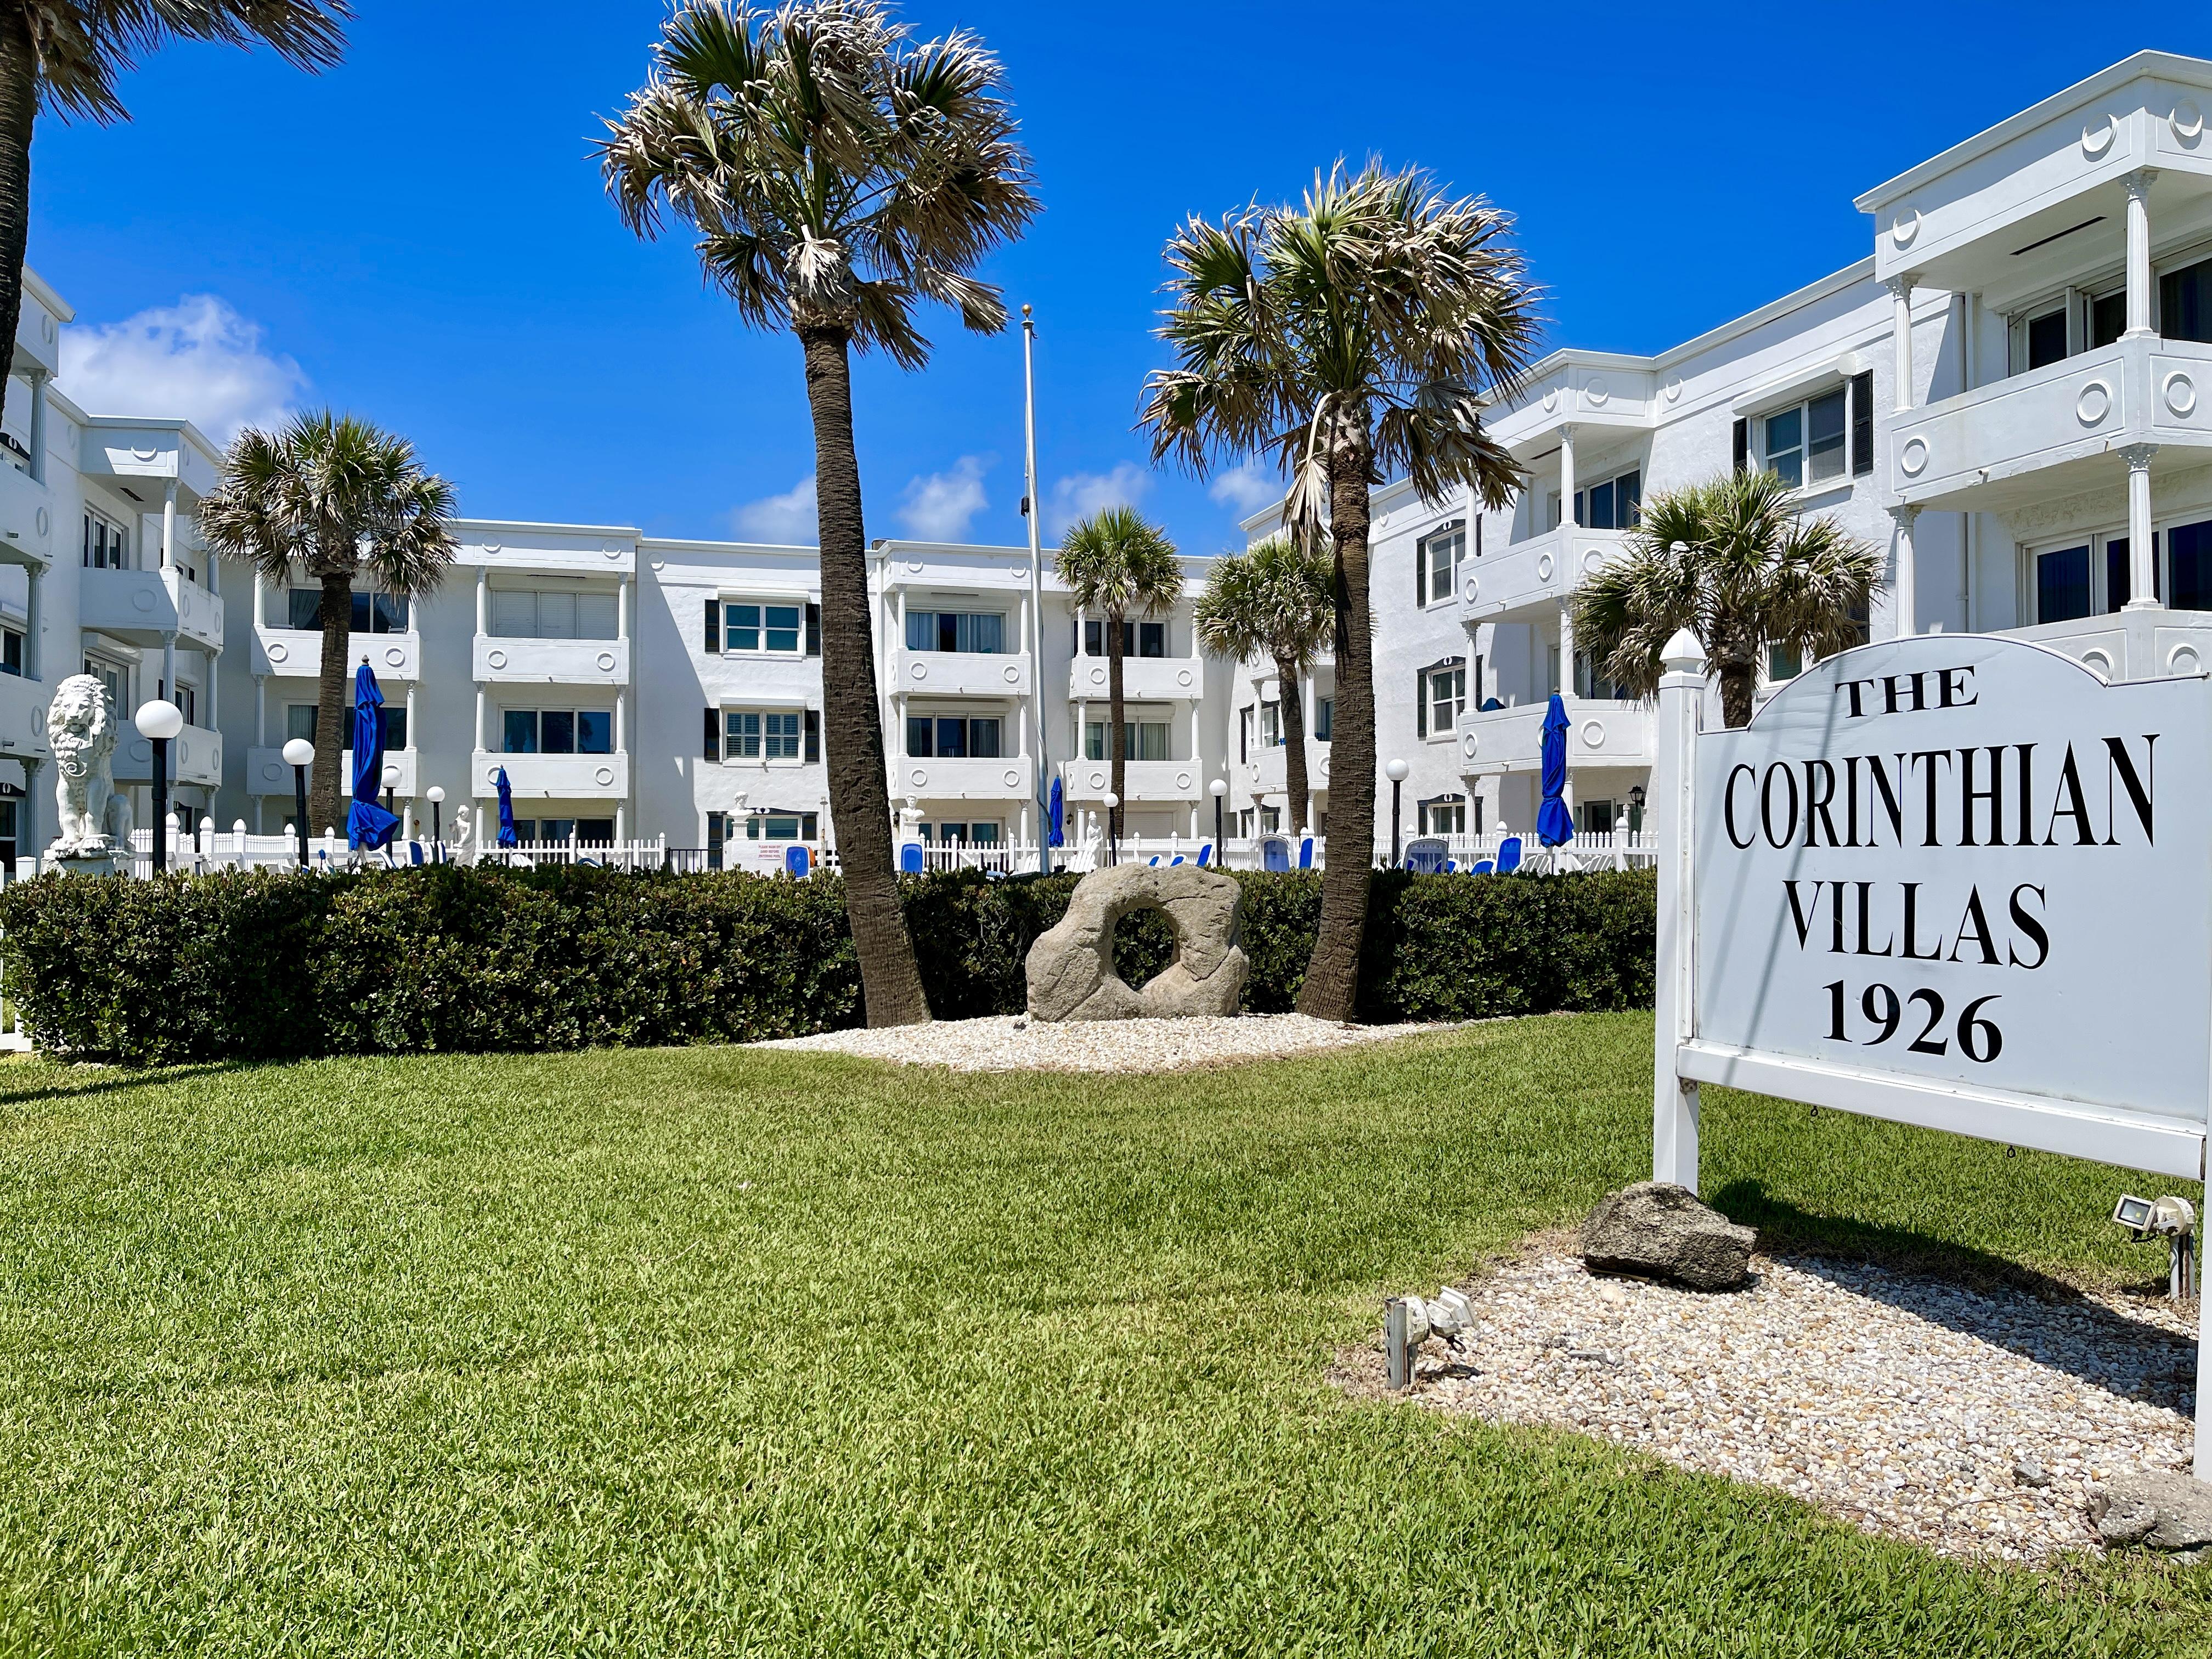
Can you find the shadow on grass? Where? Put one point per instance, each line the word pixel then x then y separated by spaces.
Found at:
pixel 115 1079
pixel 1978 1294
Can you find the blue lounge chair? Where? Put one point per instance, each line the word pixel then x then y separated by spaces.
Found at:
pixel 796 863
pixel 1177 859
pixel 1275 854
pixel 1305 853
pixel 1426 857
pixel 1154 861
pixel 1483 867
pixel 414 852
pixel 911 861
pixel 1508 856
pixel 1206 855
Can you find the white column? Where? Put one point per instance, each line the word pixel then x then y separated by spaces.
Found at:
pixel 622 721
pixel 1900 306
pixel 34 649
pixel 2138 184
pixel 169 524
pixel 622 609
pixel 1566 648
pixel 2143 556
pixel 169 667
pixel 414 731
pixel 213 672
pixel 1907 621
pixel 38 424
pixel 1566 476
pixel 484 601
pixel 479 743
pixel 260 711
pixel 1673 781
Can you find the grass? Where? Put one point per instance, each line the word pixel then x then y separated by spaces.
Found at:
pixel 715 1351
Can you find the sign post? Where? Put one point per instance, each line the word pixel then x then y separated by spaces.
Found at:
pixel 1952 880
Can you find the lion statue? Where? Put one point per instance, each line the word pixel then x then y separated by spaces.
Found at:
pixel 81 727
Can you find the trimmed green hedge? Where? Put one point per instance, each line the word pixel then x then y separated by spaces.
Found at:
pixel 273 965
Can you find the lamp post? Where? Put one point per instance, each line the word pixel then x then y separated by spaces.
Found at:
pixel 1218 788
pixel 160 720
pixel 1113 829
pixel 437 797
pixel 391 784
pixel 1395 771
pixel 300 755
pixel 1635 808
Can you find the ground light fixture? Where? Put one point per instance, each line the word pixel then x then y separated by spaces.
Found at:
pixel 1408 1322
pixel 1218 788
pixel 159 721
pixel 2173 1219
pixel 300 755
pixel 1395 771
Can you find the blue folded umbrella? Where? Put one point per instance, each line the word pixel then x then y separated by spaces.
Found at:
pixel 507 836
pixel 1555 825
pixel 367 824
pixel 1055 813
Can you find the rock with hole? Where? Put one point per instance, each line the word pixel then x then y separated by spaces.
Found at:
pixel 2162 1508
pixel 1070 967
pixel 1660 1230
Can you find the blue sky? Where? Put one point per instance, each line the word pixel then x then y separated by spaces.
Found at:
pixel 420 236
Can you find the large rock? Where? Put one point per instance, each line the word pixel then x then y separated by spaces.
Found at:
pixel 1659 1229
pixel 2160 1508
pixel 1070 967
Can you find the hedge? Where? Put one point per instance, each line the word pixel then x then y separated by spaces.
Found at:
pixel 261 964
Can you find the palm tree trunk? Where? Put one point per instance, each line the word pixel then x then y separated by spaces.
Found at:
pixel 19 111
pixel 1331 990
pixel 1292 694
pixel 1118 731
pixel 852 725
pixel 326 792
pixel 1738 682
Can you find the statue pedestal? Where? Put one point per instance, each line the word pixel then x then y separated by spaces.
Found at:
pixel 84 864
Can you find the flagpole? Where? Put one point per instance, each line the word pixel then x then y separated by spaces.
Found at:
pixel 1036 591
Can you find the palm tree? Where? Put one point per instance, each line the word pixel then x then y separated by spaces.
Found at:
pixel 339 500
pixel 66 55
pixel 1731 560
pixel 1356 334
pixel 1118 564
pixel 837 175
pixel 1276 599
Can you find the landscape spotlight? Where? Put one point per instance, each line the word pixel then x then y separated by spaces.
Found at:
pixel 2173 1219
pixel 1409 1322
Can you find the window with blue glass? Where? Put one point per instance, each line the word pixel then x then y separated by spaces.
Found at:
pixel 973 631
pixel 2062 585
pixel 557 731
pixel 2189 565
pixel 774 629
pixel 373 613
pixel 945 736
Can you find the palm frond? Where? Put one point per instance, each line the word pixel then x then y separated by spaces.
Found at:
pixel 85 47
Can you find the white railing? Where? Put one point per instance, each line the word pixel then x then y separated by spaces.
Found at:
pixel 1617 849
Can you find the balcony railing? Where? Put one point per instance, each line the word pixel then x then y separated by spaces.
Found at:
pixel 27 518
pixel 1149 679
pixel 552 662
pixel 960 673
pixel 195 756
pixel 267 772
pixel 1599 732
pixel 297 653
pixel 1270 768
pixel 23 717
pixel 551 777
pixel 146 606
pixel 1534 575
pixel 1007 777
pixel 1143 780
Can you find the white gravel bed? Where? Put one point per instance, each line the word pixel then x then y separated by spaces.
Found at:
pixel 1011 1043
pixel 1974 1423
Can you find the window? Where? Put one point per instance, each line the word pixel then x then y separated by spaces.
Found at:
pixel 1138 639
pixel 1270 725
pixel 1597 816
pixel 1244 735
pixel 550 614
pixel 557 732
pixel 774 629
pixel 11 651
pixel 1144 741
pixel 948 737
pixel 973 833
pixel 299 722
pixel 1784 662
pixel 395 728
pixel 1324 718
pixel 373 613
pixel 1440 697
pixel 1806 445
pixel 2189 565
pixel 188 703
pixel 2108 318
pixel 1271 820
pixel 1444 815
pixel 1590 682
pixel 2046 337
pixel 107 544
pixel 546 831
pixel 1613 505
pixel 2185 302
pixel 115 679
pixel 956 630
pixel 1242 819
pixel 2062 585
pixel 1436 563
pixel 757 734
pixel 781 826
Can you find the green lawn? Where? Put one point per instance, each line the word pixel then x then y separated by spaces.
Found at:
pixel 712 1352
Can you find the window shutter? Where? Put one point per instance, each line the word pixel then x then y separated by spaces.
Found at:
pixel 813 630
pixel 813 736
pixel 1742 444
pixel 1478 535
pixel 713 630
pixel 1420 573
pixel 1421 704
pixel 1862 424
pixel 712 748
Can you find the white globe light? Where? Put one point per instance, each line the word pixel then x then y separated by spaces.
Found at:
pixel 436 795
pixel 1218 788
pixel 1112 799
pixel 298 752
pixel 160 718
pixel 1396 771
pixel 390 777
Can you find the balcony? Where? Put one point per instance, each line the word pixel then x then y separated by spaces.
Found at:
pixel 1006 778
pixel 267 774
pixel 27 518
pixel 297 653
pixel 1148 679
pixel 145 607
pixel 195 756
pixel 1533 576
pixel 1144 780
pixel 2048 432
pixel 1270 768
pixel 552 777
pixel 960 673
pixel 499 659
pixel 23 718
pixel 1599 732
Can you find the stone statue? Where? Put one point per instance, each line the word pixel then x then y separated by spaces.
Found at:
pixel 1070 967
pixel 461 844
pixel 81 728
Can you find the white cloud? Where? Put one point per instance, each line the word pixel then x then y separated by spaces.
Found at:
pixel 1082 494
pixel 199 358
pixel 938 507
pixel 785 520
pixel 1248 488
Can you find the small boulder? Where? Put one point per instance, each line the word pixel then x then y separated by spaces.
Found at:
pixel 2160 1508
pixel 1658 1228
